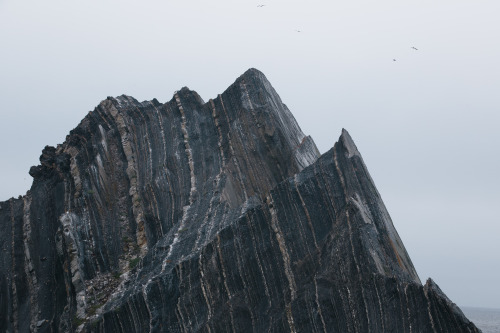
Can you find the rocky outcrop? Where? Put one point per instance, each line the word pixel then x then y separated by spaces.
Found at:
pixel 219 216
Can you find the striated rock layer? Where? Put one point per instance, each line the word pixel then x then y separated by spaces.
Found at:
pixel 207 217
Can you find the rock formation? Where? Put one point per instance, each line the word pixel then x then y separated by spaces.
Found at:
pixel 207 217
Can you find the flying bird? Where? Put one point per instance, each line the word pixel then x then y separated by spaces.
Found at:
pixel 393 59
pixel 260 5
pixel 297 30
pixel 413 47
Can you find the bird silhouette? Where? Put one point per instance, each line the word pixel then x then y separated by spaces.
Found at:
pixel 413 47
pixel 260 5
pixel 393 59
pixel 297 30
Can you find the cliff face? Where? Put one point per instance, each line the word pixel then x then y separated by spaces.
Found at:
pixel 220 216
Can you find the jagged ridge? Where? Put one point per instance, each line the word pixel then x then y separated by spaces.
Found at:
pixel 217 216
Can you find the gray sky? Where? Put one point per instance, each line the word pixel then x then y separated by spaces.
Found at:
pixel 426 124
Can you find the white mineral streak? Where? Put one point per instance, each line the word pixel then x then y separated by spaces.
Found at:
pixel 182 320
pixel 306 157
pixel 145 296
pixel 75 172
pixel 101 175
pixel 351 306
pixel 214 198
pixel 408 308
pixel 162 131
pixel 91 240
pixel 377 261
pixel 341 176
pixel 164 143
pixel 208 216
pixel 176 236
pixel 391 231
pixel 363 209
pixel 215 115
pixel 246 102
pixel 286 260
pixel 154 204
pixel 313 233
pixel 317 304
pixel 212 225
pixel 68 221
pixel 119 100
pixel 203 288
pixel 130 102
pixel 245 206
pixel 400 303
pixel 342 181
pixel 231 149
pixel 289 317
pixel 68 195
pixel 188 149
pixel 243 276
pixel 225 282
pixel 357 266
pixel 103 138
pixel 302 160
pixel 379 306
pixel 256 253
pixel 429 309
pixel 28 263
pixel 132 173
pixel 192 192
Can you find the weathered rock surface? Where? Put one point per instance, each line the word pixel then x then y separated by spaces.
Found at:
pixel 207 217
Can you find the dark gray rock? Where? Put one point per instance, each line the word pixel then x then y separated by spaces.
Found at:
pixel 219 216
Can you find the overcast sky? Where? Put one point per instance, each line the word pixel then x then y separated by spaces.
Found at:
pixel 427 124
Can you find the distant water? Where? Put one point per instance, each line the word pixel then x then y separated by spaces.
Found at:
pixel 487 320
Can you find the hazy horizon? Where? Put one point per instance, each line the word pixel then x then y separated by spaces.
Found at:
pixel 427 124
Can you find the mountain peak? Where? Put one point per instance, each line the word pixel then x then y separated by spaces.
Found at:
pixel 253 73
pixel 187 94
pixel 198 217
pixel 255 80
pixel 348 143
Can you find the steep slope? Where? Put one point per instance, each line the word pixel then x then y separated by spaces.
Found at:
pixel 219 216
